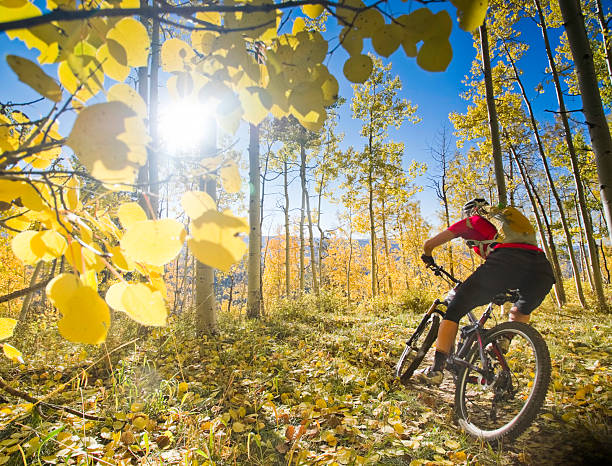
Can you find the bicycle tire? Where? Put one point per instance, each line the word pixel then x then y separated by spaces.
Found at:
pixel 472 417
pixel 417 347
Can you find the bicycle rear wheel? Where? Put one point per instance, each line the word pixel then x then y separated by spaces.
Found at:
pixel 503 402
pixel 417 347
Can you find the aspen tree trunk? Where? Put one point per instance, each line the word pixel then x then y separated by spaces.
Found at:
pixel 27 301
pixel 287 233
pixel 585 259
pixel 386 244
pixel 493 123
pixel 599 130
pixel 152 158
pixel 313 264
pixel 595 271
pixel 551 184
pixel 350 260
pixel 321 234
pixel 302 215
pixel 205 299
pixel 143 91
pixel 607 39
pixel 313 257
pixel 261 214
pixel 254 265
pixel 374 273
pixel 549 247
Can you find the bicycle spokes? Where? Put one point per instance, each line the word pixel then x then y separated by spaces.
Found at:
pixel 498 396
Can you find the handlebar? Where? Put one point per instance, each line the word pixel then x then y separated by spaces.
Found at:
pixel 438 270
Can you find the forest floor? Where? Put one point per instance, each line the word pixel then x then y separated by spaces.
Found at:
pixel 303 385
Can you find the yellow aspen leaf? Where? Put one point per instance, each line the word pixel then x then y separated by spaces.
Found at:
pixel 90 279
pixel 7 326
pixel 87 69
pixel 110 141
pixel 48 245
pixel 452 444
pixel 85 317
pixel 175 53
pixel 314 120
pixel 358 68
pixel 31 74
pixel 330 89
pixel 144 305
pixel 196 203
pixel 471 13
pixel 22 248
pixel 238 427
pixel 369 21
pixel 129 213
pixel 13 3
pixel 329 437
pixel 112 68
pixel 298 25
pixel 127 94
pixel 435 54
pixel 71 194
pixel 254 110
pixel 442 24
pixel 119 260
pixel 313 11
pixel 29 10
pixel 114 295
pixel 12 353
pixel 230 177
pixel 130 35
pixel 215 241
pixel 387 39
pixel 183 387
pixel 320 403
pixel 61 288
pixel 67 77
pixel 139 422
pixel 154 242
pixel 203 41
pixel 82 258
pixel 351 40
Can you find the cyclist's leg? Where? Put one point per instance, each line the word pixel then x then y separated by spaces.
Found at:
pixel 479 288
pixel 537 281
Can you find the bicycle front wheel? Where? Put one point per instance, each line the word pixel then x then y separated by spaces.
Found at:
pixel 417 347
pixel 501 402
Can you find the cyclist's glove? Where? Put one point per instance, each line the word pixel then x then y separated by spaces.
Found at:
pixel 429 260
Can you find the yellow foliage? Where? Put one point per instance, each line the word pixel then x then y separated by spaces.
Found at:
pixel 6 327
pixel 85 317
pixel 32 75
pixel 142 241
pixel 214 239
pixel 144 305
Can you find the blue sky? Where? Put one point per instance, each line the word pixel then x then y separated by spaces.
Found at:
pixel 435 94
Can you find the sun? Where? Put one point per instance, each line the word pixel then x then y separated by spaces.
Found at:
pixel 184 126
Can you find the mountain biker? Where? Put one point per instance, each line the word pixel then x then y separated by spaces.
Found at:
pixel 519 264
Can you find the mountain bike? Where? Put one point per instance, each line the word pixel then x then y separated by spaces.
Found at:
pixel 499 385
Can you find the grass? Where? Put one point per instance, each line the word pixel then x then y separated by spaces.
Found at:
pixel 302 384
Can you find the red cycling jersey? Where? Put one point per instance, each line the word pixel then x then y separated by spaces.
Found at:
pixel 477 228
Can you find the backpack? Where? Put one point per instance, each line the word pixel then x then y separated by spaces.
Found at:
pixel 512 226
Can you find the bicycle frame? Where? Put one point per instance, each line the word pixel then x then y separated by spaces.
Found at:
pixel 469 333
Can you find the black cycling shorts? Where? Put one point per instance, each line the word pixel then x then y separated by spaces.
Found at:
pixel 505 268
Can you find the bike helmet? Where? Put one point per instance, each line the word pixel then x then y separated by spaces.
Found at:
pixel 472 207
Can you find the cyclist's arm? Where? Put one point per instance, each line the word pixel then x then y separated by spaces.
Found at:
pixel 441 238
